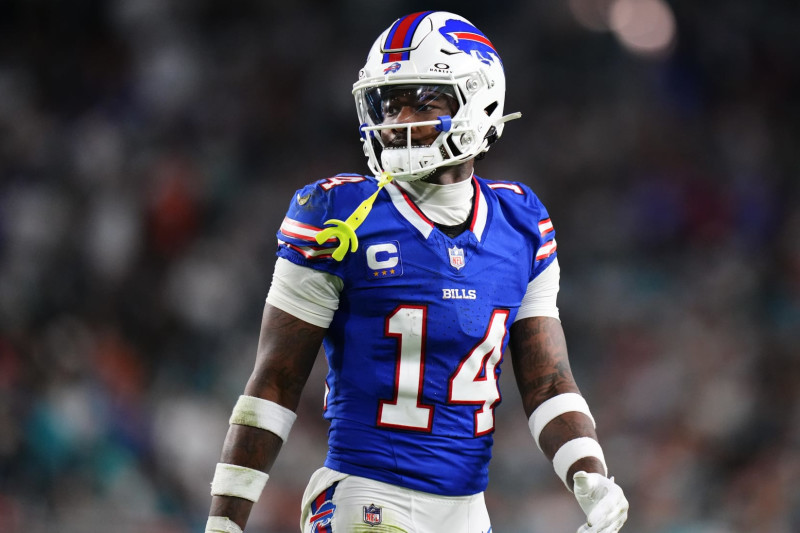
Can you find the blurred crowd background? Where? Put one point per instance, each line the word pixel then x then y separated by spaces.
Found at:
pixel 149 149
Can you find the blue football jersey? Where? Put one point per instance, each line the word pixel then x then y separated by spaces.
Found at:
pixel 414 349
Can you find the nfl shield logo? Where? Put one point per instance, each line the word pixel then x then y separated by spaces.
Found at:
pixel 456 257
pixel 372 514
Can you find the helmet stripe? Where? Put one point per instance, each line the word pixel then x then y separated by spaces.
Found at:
pixel 469 36
pixel 401 35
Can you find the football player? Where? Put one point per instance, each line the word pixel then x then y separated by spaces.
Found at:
pixel 415 281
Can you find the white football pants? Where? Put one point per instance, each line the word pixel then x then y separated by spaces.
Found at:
pixel 339 503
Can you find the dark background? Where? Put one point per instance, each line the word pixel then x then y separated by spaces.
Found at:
pixel 149 149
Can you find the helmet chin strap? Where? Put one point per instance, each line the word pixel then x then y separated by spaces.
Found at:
pixel 345 230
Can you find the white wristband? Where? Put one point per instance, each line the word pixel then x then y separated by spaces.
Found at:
pixel 221 524
pixel 575 450
pixel 263 414
pixel 239 481
pixel 555 407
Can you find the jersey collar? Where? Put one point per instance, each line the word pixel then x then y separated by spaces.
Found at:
pixel 406 207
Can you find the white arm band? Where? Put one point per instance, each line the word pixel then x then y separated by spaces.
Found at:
pixel 263 414
pixel 575 450
pixel 239 481
pixel 555 407
pixel 221 524
pixel 542 294
pixel 308 294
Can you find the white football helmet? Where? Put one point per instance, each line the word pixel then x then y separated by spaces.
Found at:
pixel 431 53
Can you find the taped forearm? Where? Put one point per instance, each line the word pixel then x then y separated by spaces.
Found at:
pixel 575 447
pixel 242 480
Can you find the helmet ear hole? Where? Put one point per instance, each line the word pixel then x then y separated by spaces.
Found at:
pixel 491 135
pixel 453 147
pixel 490 108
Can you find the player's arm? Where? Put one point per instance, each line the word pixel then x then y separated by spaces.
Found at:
pixel 541 366
pixel 287 348
pixel 561 422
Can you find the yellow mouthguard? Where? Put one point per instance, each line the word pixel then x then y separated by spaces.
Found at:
pixel 345 230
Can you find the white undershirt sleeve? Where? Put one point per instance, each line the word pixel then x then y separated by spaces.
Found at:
pixel 540 298
pixel 308 294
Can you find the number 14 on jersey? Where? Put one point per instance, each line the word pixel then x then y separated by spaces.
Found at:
pixel 474 382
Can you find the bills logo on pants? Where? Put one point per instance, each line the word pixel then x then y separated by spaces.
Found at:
pixel 322 509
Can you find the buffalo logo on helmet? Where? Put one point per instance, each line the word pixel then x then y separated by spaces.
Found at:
pixel 391 69
pixel 469 40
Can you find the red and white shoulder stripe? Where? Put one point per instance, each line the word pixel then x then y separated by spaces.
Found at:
pixel 545 227
pixel 309 252
pixel 301 231
pixel 546 231
pixel 304 237
pixel 546 250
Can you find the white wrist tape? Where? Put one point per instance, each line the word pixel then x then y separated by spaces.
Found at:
pixel 221 524
pixel 555 407
pixel 575 450
pixel 239 481
pixel 263 414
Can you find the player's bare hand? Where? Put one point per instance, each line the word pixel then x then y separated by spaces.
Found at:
pixel 603 502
